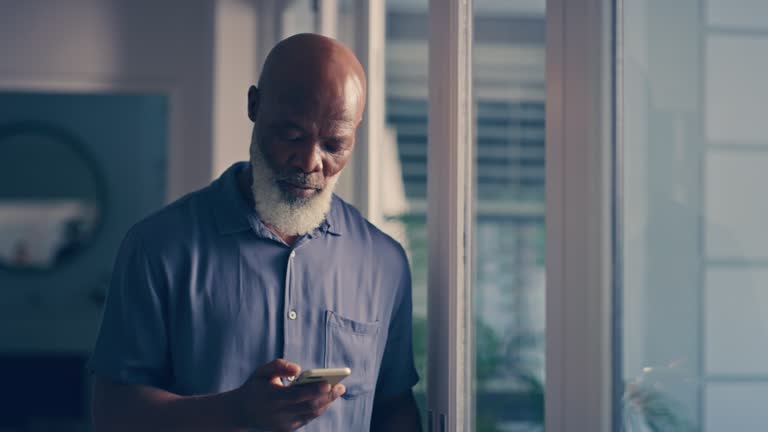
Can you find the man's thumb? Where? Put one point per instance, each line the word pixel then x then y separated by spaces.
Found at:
pixel 278 368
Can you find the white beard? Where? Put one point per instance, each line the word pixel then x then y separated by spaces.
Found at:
pixel 288 215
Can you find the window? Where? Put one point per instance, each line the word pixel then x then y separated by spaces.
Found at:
pixel 405 211
pixel 695 260
pixel 509 285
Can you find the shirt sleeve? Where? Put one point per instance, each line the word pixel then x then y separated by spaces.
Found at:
pixel 132 345
pixel 398 372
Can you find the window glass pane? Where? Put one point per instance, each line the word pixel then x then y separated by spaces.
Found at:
pixel 736 406
pixel 733 304
pixel 734 222
pixel 509 92
pixel 736 113
pixel 694 257
pixel 738 14
pixel 404 157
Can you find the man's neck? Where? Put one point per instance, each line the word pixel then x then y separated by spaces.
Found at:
pixel 244 181
pixel 289 240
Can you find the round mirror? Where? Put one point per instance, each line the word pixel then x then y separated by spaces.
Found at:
pixel 51 196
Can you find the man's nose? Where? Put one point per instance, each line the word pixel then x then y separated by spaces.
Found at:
pixel 307 158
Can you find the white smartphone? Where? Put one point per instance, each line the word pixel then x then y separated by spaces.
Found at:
pixel 332 376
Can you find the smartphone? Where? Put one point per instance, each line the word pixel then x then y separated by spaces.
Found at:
pixel 332 376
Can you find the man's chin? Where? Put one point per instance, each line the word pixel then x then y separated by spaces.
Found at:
pixel 298 194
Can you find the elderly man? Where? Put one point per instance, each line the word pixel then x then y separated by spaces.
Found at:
pixel 220 298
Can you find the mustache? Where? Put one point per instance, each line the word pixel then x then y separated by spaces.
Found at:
pixel 297 178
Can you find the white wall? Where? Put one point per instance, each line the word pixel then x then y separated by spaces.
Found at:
pixel 103 44
pixel 237 61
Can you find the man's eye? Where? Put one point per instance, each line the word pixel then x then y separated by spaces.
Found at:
pixel 334 145
pixel 292 136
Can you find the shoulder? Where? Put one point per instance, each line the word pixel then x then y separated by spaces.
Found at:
pixel 360 230
pixel 177 223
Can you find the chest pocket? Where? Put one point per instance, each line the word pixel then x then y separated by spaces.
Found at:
pixel 352 344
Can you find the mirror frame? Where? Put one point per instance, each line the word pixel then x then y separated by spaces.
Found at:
pixel 64 136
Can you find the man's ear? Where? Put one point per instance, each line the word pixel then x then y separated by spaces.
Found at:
pixel 253 102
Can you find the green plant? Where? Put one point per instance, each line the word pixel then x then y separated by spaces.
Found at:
pixel 646 409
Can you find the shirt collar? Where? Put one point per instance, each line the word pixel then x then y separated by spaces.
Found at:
pixel 332 222
pixel 235 214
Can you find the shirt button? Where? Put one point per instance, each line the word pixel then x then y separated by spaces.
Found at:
pixel 292 314
pixel 293 254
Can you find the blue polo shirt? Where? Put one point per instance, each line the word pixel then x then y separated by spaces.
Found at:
pixel 203 294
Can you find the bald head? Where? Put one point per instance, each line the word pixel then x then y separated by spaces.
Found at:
pixel 307 60
pixel 306 109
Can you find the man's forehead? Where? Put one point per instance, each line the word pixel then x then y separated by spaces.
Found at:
pixel 327 125
pixel 312 93
pixel 340 127
pixel 337 115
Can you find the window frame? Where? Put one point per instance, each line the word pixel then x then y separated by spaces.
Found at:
pixel 580 217
pixel 581 306
pixel 369 46
pixel 450 198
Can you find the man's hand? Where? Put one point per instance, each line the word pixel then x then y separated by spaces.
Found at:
pixel 265 403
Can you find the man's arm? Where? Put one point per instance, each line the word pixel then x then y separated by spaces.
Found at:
pixel 127 407
pixel 396 414
pixel 262 403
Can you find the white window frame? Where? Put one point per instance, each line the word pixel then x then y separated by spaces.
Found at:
pixel 450 180
pixel 327 17
pixel 579 222
pixel 370 48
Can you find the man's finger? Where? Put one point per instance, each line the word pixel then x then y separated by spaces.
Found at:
pixel 304 392
pixel 339 390
pixel 323 401
pixel 278 368
pixel 315 407
pixel 300 423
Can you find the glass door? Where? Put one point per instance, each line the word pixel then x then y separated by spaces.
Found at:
pixel 694 254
